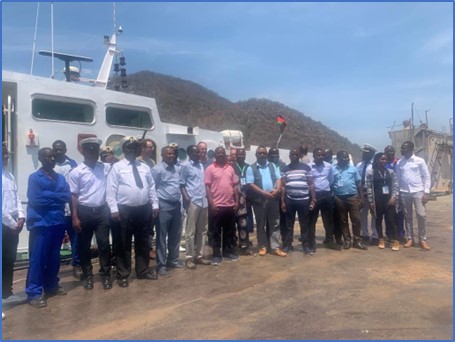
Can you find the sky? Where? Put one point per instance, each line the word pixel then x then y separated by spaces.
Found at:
pixel 356 67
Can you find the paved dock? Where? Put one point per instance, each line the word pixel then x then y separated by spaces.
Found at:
pixel 353 294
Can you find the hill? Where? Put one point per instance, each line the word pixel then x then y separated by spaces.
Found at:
pixel 184 102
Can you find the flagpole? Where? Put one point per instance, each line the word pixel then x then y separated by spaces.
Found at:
pixel 279 139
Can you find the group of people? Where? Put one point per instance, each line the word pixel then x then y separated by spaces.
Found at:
pixel 126 198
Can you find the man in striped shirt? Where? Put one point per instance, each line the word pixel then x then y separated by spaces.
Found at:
pixel 297 195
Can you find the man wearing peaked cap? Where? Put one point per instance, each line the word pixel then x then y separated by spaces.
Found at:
pixel 129 142
pixel 90 141
pixel 363 168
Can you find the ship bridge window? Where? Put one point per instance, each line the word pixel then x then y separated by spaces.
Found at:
pixel 62 110
pixel 138 118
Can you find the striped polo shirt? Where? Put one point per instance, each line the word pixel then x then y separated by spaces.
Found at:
pixel 296 176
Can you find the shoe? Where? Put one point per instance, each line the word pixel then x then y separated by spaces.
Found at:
pixel 88 283
pixel 163 272
pixel 381 244
pixel 202 261
pixel 374 242
pixel 408 244
pixel 3 316
pixel 77 272
pixel 334 246
pixel 14 300
pixel 59 292
pixel 152 254
pixel 189 263
pixel 347 244
pixel 107 283
pixel 38 302
pixel 424 245
pixel 123 282
pixel 262 251
pixel 365 239
pixel 306 250
pixel 150 275
pixel 177 264
pixel 359 245
pixel 182 249
pixel 313 250
pixel 231 257
pixel 279 252
pixel 288 249
pixel 216 261
pixel 395 245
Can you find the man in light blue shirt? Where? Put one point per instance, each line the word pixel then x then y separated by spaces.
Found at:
pixel 264 180
pixel 348 200
pixel 195 201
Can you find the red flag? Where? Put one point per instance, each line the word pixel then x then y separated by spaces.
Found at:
pixel 282 122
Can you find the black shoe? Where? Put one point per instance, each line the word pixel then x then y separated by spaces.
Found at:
pixel 38 302
pixel 347 244
pixel 148 276
pixel 107 283
pixel 88 283
pixel 287 249
pixel 359 245
pixel 334 246
pixel 374 242
pixel 178 264
pixel 123 282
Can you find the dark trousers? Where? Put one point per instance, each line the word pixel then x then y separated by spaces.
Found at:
pixel 169 225
pixel 324 205
pixel 223 231
pixel 302 209
pixel 74 240
pixel 283 225
pixel 94 220
pixel 384 210
pixel 10 240
pixel 348 207
pixel 44 260
pixel 133 221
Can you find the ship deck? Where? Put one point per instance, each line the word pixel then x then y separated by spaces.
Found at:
pixel 374 294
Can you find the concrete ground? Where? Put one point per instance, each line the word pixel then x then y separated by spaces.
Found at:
pixel 374 294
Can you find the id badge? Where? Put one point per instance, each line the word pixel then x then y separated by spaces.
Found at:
pixel 385 190
pixel 340 183
pixel 242 181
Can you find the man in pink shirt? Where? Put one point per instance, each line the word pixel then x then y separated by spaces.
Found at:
pixel 222 194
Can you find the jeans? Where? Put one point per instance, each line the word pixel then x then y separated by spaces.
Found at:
pixel 414 199
pixel 386 211
pixel 169 225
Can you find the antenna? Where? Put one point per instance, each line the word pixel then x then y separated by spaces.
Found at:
pixel 34 40
pixel 52 38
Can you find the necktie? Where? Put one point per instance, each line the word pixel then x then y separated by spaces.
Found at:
pixel 137 177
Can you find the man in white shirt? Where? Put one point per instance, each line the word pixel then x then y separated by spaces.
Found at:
pixel 90 211
pixel 13 219
pixel 132 200
pixel 414 182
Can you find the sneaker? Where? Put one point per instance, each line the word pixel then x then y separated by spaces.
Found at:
pixel 306 250
pixel 395 245
pixel 381 244
pixel 232 257
pixel 14 300
pixel 203 261
pixel 189 263
pixel 38 302
pixel 163 272
pixel 288 249
pixel 77 272
pixel 262 251
pixel 216 261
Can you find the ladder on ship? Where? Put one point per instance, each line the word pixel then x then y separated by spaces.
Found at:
pixel 435 163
